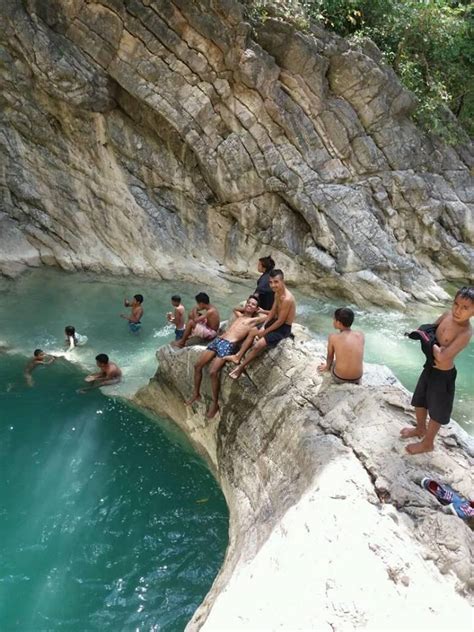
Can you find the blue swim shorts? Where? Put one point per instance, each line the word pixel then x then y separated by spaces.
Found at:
pixel 134 328
pixel 223 347
pixel 178 334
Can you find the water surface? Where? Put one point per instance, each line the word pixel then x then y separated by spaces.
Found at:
pixel 108 519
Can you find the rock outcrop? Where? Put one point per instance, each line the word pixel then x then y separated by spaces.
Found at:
pixel 133 130
pixel 329 527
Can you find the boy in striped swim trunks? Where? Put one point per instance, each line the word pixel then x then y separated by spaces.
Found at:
pixel 222 346
pixel 203 321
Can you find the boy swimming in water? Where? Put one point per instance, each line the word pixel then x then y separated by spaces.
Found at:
pixel 109 373
pixel 177 316
pixel 203 321
pixel 134 320
pixel 73 339
pixel 434 392
pixel 345 354
pixel 221 347
pixel 39 357
pixel 276 327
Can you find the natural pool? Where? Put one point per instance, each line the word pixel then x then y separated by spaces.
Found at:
pixel 109 521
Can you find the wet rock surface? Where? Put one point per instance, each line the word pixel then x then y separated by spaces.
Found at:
pixel 131 131
pixel 329 526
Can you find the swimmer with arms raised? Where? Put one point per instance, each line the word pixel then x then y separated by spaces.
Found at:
pixel 136 315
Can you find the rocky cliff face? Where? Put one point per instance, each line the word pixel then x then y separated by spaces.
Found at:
pixel 329 527
pixel 170 137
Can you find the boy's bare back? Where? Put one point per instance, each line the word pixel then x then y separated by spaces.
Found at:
pixel 349 351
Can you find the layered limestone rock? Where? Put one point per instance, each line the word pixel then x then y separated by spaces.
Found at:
pixel 329 527
pixel 134 131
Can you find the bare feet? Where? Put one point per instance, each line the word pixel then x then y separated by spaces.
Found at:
pixel 232 358
pixel 235 374
pixel 408 433
pixel 419 448
pixel 179 344
pixel 213 410
pixel 194 398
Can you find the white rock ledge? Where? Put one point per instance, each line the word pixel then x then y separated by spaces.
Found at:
pixel 329 527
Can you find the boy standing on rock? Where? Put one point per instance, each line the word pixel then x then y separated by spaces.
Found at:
pixel 434 393
pixel 345 353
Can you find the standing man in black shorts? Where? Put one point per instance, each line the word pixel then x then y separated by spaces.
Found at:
pixel 434 393
pixel 276 327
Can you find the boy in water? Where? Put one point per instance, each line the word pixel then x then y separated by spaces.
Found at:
pixel 109 373
pixel 177 317
pixel 203 321
pixel 276 327
pixel 345 355
pixel 221 347
pixel 39 357
pixel 134 320
pixel 434 393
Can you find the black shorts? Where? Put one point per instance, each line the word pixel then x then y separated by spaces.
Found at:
pixel 274 337
pixel 435 392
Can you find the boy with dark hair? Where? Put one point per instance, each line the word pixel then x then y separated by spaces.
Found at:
pixel 109 373
pixel 345 354
pixel 263 290
pixel 434 392
pixel 217 351
pixel 39 357
pixel 203 321
pixel 134 320
pixel 177 317
pixel 276 326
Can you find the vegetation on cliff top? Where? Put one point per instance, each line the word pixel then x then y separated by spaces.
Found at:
pixel 429 43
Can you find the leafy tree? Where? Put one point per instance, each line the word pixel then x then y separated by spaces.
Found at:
pixel 429 43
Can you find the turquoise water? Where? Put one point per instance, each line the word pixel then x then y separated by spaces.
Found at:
pixel 108 520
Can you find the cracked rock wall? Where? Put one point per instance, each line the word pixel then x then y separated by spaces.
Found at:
pixel 170 138
pixel 329 526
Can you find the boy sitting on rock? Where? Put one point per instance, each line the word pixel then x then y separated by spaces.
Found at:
pixel 434 393
pixel 345 355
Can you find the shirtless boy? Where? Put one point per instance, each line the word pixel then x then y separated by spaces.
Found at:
pixel 136 315
pixel 109 373
pixel 39 357
pixel 434 393
pixel 345 355
pixel 177 316
pixel 221 347
pixel 276 327
pixel 203 321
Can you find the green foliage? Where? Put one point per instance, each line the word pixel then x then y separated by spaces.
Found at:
pixel 429 43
